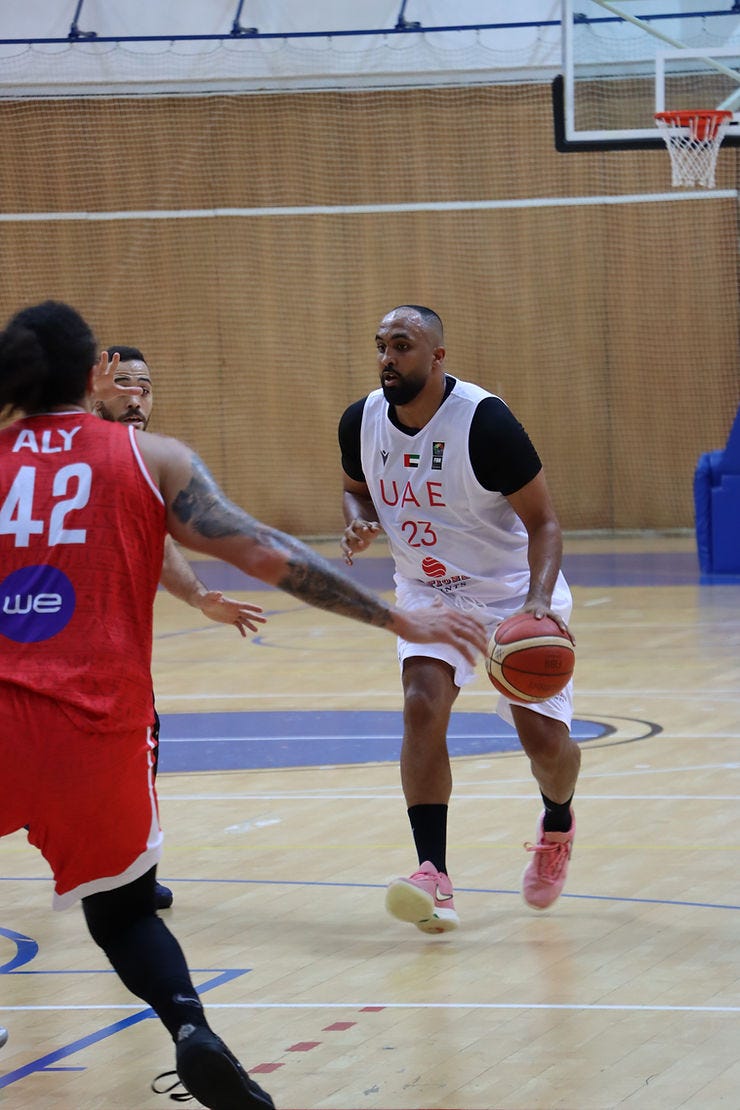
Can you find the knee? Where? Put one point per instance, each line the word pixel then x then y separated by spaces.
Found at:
pixel 103 922
pixel 545 738
pixel 421 710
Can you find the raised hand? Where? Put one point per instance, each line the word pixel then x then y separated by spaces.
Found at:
pixel 103 382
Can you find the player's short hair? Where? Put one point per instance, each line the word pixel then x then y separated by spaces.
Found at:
pixel 125 353
pixel 428 315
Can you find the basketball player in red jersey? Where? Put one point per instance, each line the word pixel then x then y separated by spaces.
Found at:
pixel 123 394
pixel 448 473
pixel 85 508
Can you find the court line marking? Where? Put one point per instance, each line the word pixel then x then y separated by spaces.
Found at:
pixel 394 797
pixel 677 769
pixel 587 1006
pixel 499 891
pixel 338 885
pixel 731 697
pixel 336 736
pixel 46 1063
pixel 460 783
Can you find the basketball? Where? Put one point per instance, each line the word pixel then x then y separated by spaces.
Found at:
pixel 530 660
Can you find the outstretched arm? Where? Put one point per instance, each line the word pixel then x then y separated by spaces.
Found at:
pixel 179 579
pixel 201 517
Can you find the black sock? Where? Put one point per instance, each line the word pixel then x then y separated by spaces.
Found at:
pixel 429 826
pixel 558 818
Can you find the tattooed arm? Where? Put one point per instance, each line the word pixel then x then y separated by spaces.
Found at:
pixel 201 517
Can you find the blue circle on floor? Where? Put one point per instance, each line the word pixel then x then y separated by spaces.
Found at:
pixel 292 738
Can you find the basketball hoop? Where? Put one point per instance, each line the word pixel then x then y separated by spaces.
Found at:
pixel 693 139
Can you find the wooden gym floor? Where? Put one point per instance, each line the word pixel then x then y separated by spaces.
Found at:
pixel 284 818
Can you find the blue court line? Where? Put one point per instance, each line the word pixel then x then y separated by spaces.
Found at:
pixel 608 569
pixel 478 890
pixel 47 1062
pixel 44 1063
pixel 336 885
pixel 26 950
pixel 222 741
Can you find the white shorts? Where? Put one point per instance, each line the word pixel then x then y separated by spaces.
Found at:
pixel 414 595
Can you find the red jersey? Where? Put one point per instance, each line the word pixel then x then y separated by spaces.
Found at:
pixel 82 529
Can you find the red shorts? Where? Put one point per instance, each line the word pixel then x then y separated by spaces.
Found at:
pixel 88 799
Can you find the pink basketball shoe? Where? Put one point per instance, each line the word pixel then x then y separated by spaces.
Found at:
pixel 544 877
pixel 425 899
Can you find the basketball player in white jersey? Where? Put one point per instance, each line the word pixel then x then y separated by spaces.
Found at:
pixel 451 477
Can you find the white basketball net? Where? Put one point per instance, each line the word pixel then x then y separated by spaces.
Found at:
pixel 693 140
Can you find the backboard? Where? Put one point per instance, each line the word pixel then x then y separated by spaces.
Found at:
pixel 625 60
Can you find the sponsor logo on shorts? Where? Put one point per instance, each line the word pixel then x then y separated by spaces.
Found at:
pixel 36 603
pixel 449 585
pixel 441 577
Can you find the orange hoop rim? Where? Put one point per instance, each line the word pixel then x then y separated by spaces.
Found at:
pixel 682 117
pixel 705 126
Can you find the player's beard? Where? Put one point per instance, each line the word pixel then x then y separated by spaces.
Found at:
pixel 402 392
pixel 102 410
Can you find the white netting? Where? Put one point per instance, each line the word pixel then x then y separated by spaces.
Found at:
pixel 693 140
pixel 250 243
pixel 263 63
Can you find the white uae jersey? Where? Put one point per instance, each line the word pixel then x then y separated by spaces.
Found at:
pixel 444 528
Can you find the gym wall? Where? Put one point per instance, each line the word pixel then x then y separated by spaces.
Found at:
pixel 249 244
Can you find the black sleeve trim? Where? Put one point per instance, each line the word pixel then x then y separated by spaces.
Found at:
pixel 349 440
pixel 501 453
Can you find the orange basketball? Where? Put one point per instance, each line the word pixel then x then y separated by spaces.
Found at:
pixel 530 660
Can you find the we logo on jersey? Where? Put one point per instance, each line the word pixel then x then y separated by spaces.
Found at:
pixel 36 603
